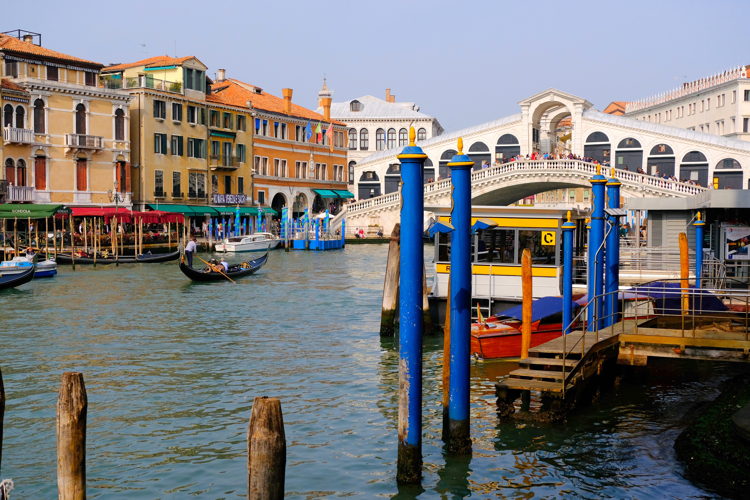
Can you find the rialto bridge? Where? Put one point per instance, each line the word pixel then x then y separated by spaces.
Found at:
pixel 651 160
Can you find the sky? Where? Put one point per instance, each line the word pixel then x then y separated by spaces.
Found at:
pixel 465 62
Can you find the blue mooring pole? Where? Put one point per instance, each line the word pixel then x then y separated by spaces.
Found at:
pixel 458 438
pixel 411 267
pixel 612 272
pixel 567 289
pixel 699 225
pixel 596 256
pixel 343 233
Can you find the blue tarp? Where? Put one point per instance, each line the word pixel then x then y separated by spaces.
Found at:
pixel 540 308
pixel 667 297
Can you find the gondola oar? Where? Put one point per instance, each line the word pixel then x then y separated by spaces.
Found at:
pixel 215 268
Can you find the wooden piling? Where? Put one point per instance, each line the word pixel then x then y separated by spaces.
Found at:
pixel 46 237
pixel 266 450
pixel 684 273
pixel 15 236
pixel 72 404
pixel 54 237
pixel 85 234
pixel 390 286
pixel 72 243
pixel 526 292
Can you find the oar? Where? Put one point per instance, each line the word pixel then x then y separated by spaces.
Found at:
pixel 215 268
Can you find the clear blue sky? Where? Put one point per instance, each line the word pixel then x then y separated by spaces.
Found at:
pixel 465 62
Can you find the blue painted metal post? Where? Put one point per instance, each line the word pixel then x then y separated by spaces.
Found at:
pixel 612 272
pixel 411 268
pixel 699 225
pixel 306 227
pixel 317 230
pixel 459 433
pixel 343 233
pixel 567 288
pixel 596 251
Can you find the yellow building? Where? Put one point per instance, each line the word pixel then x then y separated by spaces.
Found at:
pixel 65 137
pixel 188 148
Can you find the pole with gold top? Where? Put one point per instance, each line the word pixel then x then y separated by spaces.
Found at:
pixel 411 267
pixel 699 225
pixel 458 440
pixel 596 252
pixel 612 265
pixel 567 289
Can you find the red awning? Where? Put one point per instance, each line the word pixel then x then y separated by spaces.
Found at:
pixel 157 217
pixel 125 215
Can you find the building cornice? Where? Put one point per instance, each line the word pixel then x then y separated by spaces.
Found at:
pixel 33 84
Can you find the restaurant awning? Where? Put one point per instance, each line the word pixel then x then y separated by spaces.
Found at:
pixel 33 211
pixel 343 193
pixel 326 193
pixel 189 210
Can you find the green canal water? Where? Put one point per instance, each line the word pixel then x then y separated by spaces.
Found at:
pixel 171 369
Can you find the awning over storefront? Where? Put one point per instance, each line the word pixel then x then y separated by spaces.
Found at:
pixel 125 215
pixel 33 211
pixel 326 193
pixel 343 193
pixel 189 210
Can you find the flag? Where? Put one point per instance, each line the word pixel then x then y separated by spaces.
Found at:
pixel 318 133
pixel 329 135
pixel 308 131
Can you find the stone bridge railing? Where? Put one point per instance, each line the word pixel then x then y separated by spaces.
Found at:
pixel 546 170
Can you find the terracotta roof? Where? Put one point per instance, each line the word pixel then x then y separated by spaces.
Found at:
pixel 615 108
pixel 151 62
pixel 7 84
pixel 13 44
pixel 237 93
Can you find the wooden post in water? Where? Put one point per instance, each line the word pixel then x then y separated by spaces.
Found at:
pixel 85 234
pixel 54 237
pixel 169 236
pixel 15 236
pixel 526 292
pixel 390 286
pixel 46 237
pixel 266 450
pixel 5 243
pixel 36 235
pixel 684 273
pixel 72 243
pixel 96 238
pixel 71 437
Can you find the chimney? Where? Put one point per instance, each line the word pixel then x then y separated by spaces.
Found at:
pixel 221 75
pixel 389 97
pixel 287 93
pixel 28 38
pixel 325 103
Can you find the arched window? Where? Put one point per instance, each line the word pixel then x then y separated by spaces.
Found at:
pixel 10 170
pixel 39 127
pixel 20 117
pixel 353 138
pixel 421 134
pixel 81 119
pixel 355 105
pixel 364 140
pixel 403 137
pixel 391 138
pixel 21 173
pixel 380 139
pixel 8 116
pixel 351 171
pixel 120 125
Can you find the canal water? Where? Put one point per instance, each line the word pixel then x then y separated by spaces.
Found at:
pixel 171 369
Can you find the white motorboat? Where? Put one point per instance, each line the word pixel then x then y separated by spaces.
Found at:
pixel 21 263
pixel 257 242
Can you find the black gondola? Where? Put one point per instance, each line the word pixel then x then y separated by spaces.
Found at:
pixel 16 279
pixel 235 270
pixel 146 258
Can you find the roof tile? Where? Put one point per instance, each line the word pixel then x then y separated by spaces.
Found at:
pixel 13 44
pixel 150 62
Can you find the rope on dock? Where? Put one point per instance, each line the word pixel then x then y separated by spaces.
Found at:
pixel 6 486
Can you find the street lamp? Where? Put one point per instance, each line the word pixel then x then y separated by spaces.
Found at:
pixel 115 196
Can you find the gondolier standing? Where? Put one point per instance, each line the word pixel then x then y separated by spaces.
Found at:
pixel 189 250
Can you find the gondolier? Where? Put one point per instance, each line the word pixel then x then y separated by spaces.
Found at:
pixel 189 250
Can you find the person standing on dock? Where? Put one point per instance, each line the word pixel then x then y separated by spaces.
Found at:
pixel 190 249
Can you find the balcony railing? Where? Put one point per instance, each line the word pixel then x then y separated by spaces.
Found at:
pixel 83 141
pixel 218 161
pixel 143 81
pixel 19 193
pixel 177 195
pixel 159 193
pixel 13 135
pixel 196 195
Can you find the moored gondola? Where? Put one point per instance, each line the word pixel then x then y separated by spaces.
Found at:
pixel 235 271
pixel 16 279
pixel 146 258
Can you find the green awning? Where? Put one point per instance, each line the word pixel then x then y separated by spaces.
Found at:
pixel 343 193
pixel 326 193
pixel 189 210
pixel 32 210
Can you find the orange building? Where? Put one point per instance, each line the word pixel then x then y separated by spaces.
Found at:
pixel 299 156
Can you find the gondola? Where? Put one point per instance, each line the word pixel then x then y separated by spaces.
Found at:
pixel 235 271
pixel 146 258
pixel 16 279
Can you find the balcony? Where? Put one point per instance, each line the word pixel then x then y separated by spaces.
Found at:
pixel 177 196
pixel 159 193
pixel 142 81
pixel 17 194
pixel 82 141
pixel 224 162
pixel 200 195
pixel 13 135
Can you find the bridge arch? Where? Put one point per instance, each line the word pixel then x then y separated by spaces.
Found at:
pixel 629 154
pixel 507 146
pixel 661 160
pixel 392 178
pixel 429 171
pixel 443 170
pixel 369 185
pixel 728 174
pixel 598 147
pixel 480 153
pixel 694 167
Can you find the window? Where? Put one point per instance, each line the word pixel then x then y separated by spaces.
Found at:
pixel 176 188
pixel 421 134
pixel 241 154
pixel 203 116
pixel 192 114
pixel 119 125
pixel 355 106
pixel 11 69
pixel 708 104
pixel 240 185
pixel 227 154
pixel 391 138
pixel 380 139
pixel 177 145
pixel 746 125
pixel 284 172
pixel 227 120
pixel 276 162
pixel 228 184
pixel 214 183
pixel 80 119
pixel 261 197
pixel 196 185
pixel 352 139
pixel 196 148
pixel 275 129
pixel 747 95
pixel 89 78
pixel 158 183
pixel 160 143
pixel 81 174
pixel 160 109
pixel 52 73
pixel 39 126
pixel 194 79
pixel 364 140
pixel 734 96
pixel 283 131
pixel 241 122
pixel 176 111
pixel 8 116
pixel 213 118
pixel 403 137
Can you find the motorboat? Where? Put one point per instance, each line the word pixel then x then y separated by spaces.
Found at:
pixel 19 264
pixel 256 242
pixel 12 280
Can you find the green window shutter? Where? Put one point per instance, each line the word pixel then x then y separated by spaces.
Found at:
pixel 157 143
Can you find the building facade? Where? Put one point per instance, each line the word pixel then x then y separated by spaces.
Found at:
pixel 377 125
pixel 65 136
